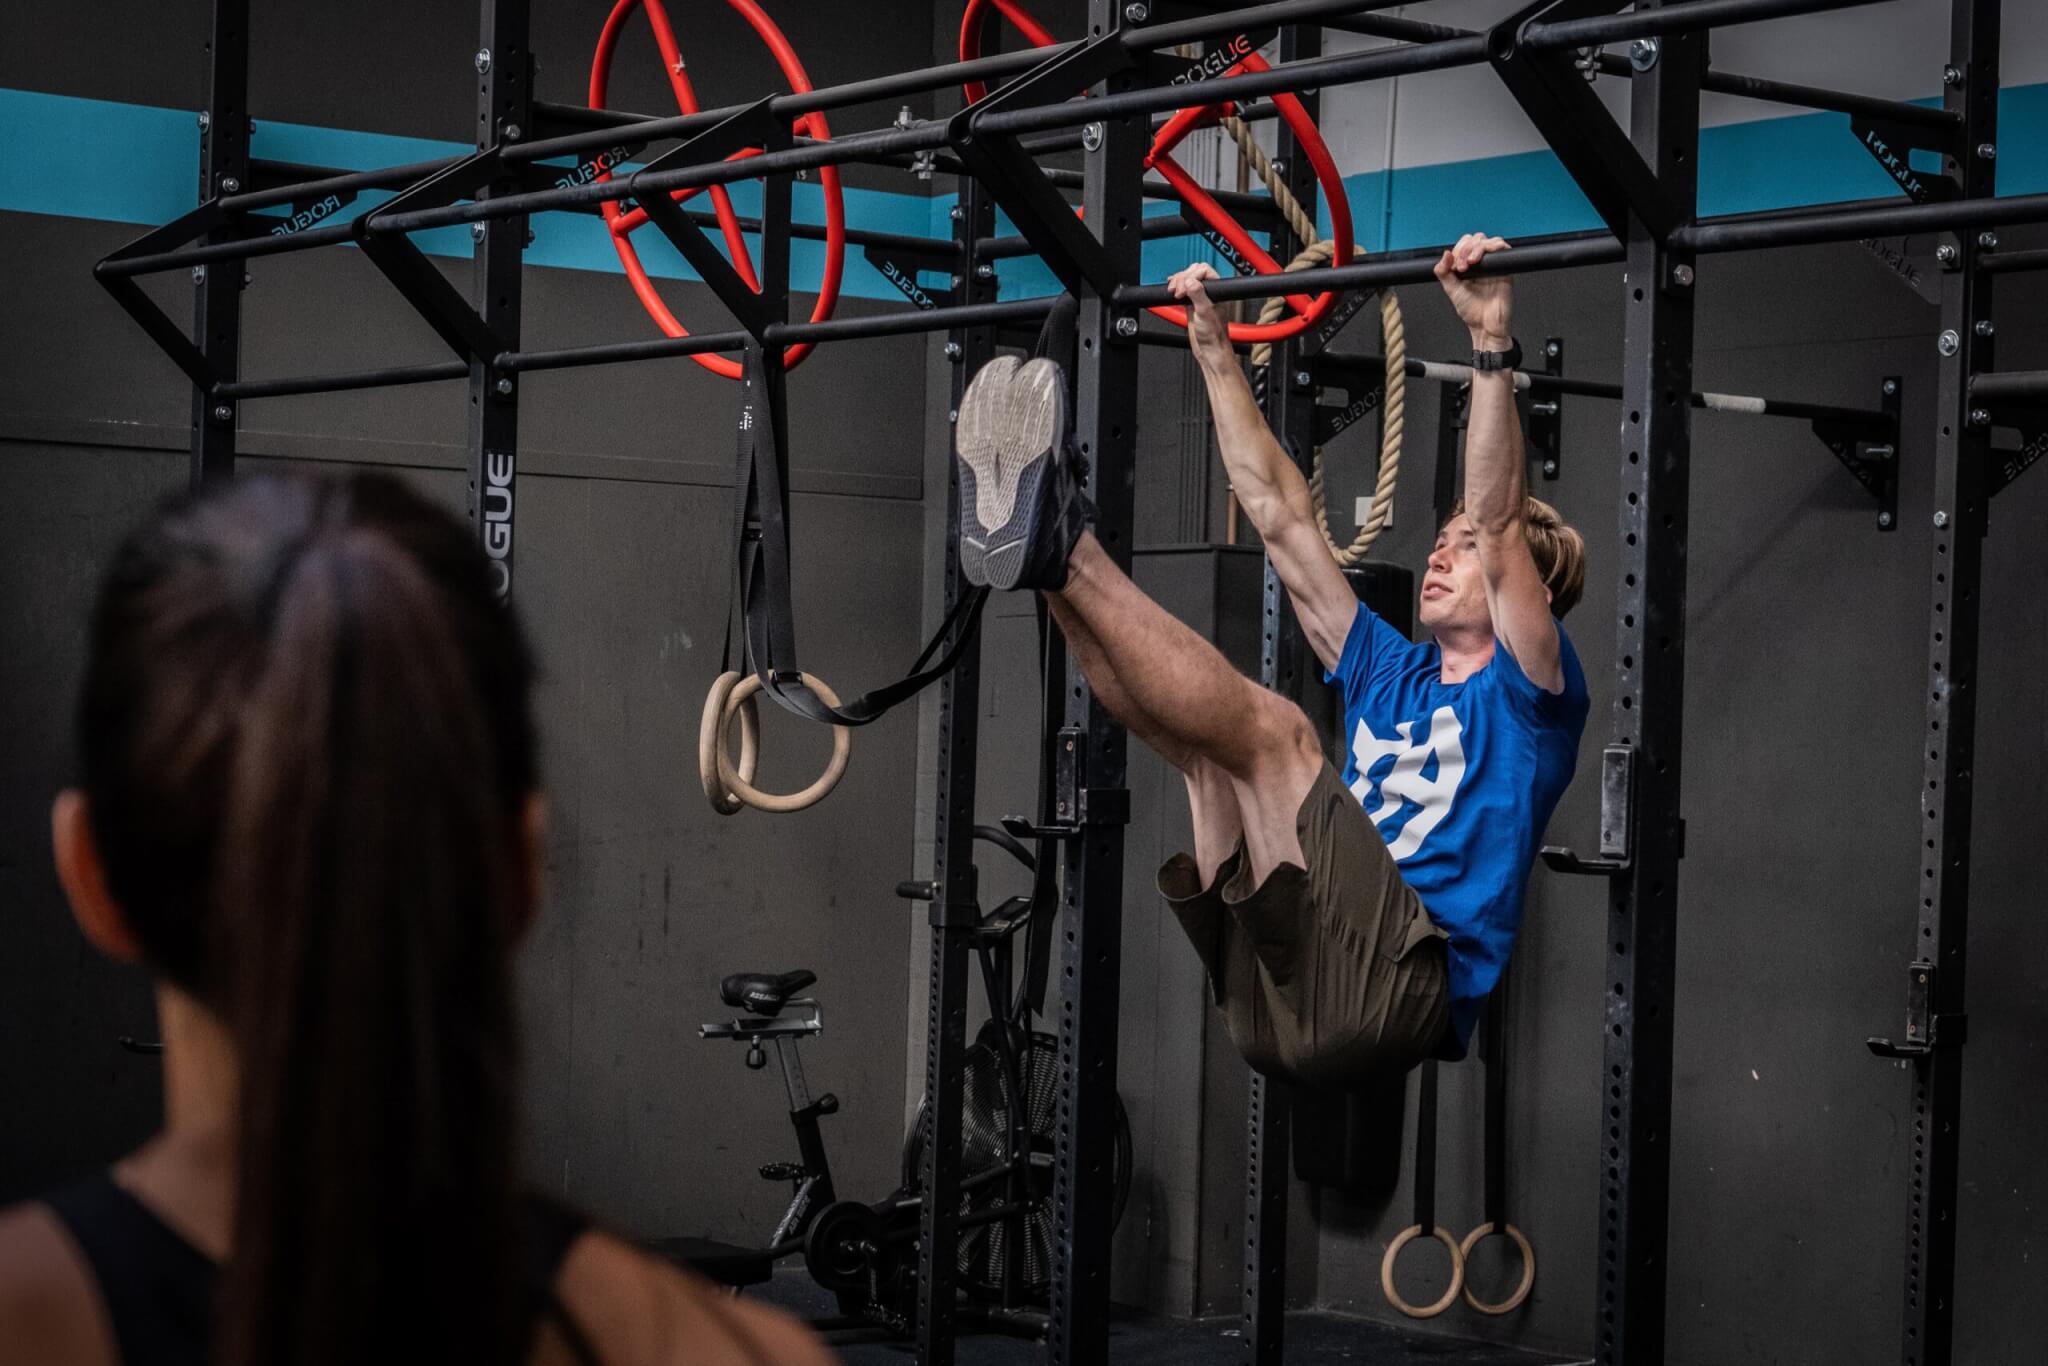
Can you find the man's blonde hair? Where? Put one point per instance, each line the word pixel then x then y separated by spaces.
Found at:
pixel 1559 551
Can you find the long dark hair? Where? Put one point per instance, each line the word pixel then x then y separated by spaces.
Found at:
pixel 307 749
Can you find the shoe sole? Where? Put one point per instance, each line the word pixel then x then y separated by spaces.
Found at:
pixel 1011 421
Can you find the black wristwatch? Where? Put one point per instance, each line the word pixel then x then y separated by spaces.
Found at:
pixel 1510 359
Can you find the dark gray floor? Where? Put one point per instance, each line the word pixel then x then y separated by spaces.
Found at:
pixel 1135 1339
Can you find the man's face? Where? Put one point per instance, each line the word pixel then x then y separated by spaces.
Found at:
pixel 1453 585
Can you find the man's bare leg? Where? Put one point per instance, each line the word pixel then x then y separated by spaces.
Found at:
pixel 1182 690
pixel 1212 797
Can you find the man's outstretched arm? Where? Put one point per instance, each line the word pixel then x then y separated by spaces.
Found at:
pixel 1270 489
pixel 1495 493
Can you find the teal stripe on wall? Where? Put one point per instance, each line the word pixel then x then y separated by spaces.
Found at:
pixel 127 163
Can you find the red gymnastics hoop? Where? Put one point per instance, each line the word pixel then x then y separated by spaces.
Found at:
pixel 1308 310
pixel 623 222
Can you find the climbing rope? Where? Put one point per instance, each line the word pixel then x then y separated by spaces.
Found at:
pixel 1394 342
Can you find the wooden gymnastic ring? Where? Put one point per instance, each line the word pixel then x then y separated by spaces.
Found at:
pixel 1401 1240
pixel 711 737
pixel 1513 1301
pixel 739 784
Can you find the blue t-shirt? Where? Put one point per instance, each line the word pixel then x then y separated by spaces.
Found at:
pixel 1461 779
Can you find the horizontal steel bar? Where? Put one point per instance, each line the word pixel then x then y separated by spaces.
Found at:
pixel 1537 382
pixel 583 116
pixel 1721 82
pixel 916 138
pixel 383 178
pixel 1156 227
pixel 1406 269
pixel 1152 38
pixel 1244 204
pixel 811 101
pixel 1999 263
pixel 1751 232
pixel 1599 30
pixel 1839 101
pixel 1734 232
pixel 357 379
pixel 1392 26
pixel 615 353
pixel 2011 386
pixel 1315 73
pixel 894 323
pixel 242 250
pixel 1045 143
pixel 859 237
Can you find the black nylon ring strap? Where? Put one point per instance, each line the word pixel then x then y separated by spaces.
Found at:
pixel 761 536
pixel 1494 1048
pixel 1425 1225
pixel 761 539
pixel 1425 1149
pixel 1494 1045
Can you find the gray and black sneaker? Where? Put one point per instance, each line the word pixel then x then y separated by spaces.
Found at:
pixel 1021 506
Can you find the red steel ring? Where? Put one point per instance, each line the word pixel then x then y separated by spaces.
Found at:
pixel 623 222
pixel 1308 310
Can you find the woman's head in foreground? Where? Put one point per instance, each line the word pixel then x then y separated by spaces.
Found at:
pixel 307 802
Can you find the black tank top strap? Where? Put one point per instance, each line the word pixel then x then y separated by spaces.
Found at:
pixel 157 1287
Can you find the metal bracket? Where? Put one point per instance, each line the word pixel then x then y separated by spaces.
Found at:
pixel 168 335
pixel 1600 157
pixel 901 269
pixel 1871 456
pixel 541 176
pixel 418 279
pixel 1891 145
pixel 753 126
pixel 1454 409
pixel 1546 417
pixel 2011 464
pixel 1315 342
pixel 1076 806
pixel 1332 421
pixel 1617 819
pixel 1014 179
pixel 1218 56
pixel 1926 1030
pixel 304 212
pixel 1916 270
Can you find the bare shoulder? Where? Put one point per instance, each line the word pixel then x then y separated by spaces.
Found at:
pixel 49 1307
pixel 638 1310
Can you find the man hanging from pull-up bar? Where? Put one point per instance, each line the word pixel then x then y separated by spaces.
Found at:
pixel 1350 925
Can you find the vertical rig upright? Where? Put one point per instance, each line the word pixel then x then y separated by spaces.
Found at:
pixel 953 910
pixel 504 114
pixel 1649 704
pixel 224 132
pixel 1105 431
pixel 1290 411
pixel 1962 494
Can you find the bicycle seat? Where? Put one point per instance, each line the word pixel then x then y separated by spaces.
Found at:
pixel 764 993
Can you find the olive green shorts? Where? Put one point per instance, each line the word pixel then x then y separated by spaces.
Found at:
pixel 1331 974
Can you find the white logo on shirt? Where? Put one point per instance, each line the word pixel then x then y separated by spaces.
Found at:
pixel 1404 782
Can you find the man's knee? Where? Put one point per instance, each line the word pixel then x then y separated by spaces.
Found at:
pixel 1286 742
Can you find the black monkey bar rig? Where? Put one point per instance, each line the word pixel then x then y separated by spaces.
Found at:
pixel 532 156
